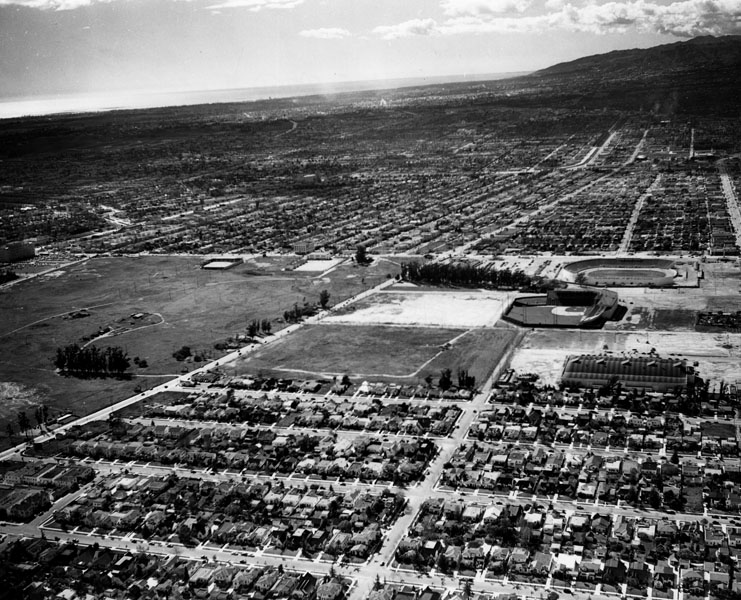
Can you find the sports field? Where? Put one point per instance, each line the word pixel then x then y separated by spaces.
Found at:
pixel 184 304
pixel 378 353
pixel 646 275
pixel 409 306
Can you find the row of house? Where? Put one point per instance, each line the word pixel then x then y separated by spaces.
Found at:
pixel 249 516
pixel 573 548
pixel 43 569
pixel 257 450
pixel 332 413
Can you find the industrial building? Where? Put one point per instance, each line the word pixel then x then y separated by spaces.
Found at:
pixel 635 372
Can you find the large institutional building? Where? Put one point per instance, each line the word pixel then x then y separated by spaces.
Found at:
pixel 636 372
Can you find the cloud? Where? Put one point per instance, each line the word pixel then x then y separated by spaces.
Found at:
pixel 686 18
pixel 253 5
pixel 407 29
pixel 326 33
pixel 462 8
pixel 256 5
pixel 52 4
pixel 555 4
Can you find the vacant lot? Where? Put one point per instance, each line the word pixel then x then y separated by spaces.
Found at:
pixel 544 351
pixel 378 353
pixel 189 306
pixel 409 306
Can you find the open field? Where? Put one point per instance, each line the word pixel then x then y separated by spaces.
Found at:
pixel 459 308
pixel 378 353
pixel 543 352
pixel 182 304
pixel 676 308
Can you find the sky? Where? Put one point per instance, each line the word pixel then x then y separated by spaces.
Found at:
pixel 50 47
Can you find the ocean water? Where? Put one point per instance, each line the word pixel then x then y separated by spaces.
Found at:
pixel 83 103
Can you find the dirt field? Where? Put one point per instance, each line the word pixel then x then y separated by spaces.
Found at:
pixel 378 353
pixel 408 306
pixel 198 308
pixel 543 352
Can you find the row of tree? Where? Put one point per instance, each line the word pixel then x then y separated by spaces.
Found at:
pixel 445 382
pixel 92 361
pixel 256 326
pixel 463 275
pixel 41 414
pixel 295 314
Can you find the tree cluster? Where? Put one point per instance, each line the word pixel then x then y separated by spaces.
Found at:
pixel 361 256
pixel 7 275
pixel 256 326
pixel 92 361
pixel 181 354
pixel 464 275
pixel 466 381
pixel 297 313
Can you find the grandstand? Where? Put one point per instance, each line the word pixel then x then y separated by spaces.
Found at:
pixel 622 272
pixel 582 308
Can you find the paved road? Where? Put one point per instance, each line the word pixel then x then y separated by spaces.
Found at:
pixel 729 191
pixel 625 244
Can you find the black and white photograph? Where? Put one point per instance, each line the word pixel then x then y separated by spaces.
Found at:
pixel 370 299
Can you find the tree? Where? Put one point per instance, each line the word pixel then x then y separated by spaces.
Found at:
pixel 23 422
pixel 467 591
pixel 324 298
pixel 445 380
pixel 253 328
pixel 361 255
pixel 182 354
pixel 266 326
pixel 9 428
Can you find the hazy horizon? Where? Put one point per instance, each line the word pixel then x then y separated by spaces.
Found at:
pixel 64 104
pixel 93 48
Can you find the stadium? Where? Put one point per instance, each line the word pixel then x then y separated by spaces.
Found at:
pixel 564 308
pixel 625 272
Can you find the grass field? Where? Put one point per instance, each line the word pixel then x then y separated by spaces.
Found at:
pixel 196 308
pixel 378 353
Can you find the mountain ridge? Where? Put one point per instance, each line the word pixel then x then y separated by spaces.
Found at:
pixel 692 77
pixel 683 55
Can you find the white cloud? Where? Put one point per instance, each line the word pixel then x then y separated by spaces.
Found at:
pixel 555 4
pixel 52 4
pixel 407 29
pixel 326 33
pixel 686 18
pixel 253 5
pixel 256 5
pixel 462 8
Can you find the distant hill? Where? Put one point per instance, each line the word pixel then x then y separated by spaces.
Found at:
pixel 694 76
pixel 698 53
